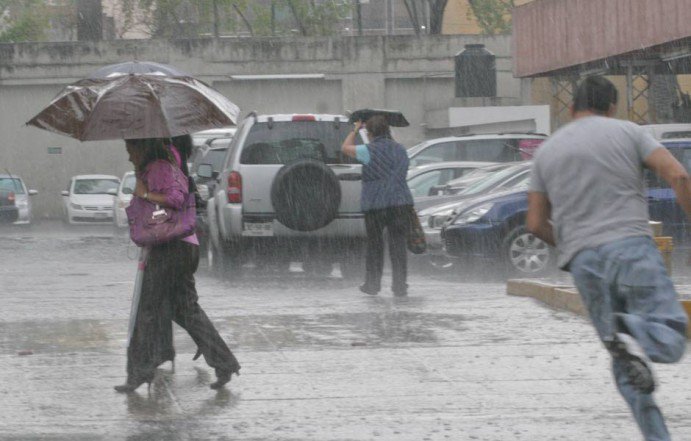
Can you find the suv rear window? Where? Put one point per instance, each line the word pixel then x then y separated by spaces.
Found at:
pixel 288 141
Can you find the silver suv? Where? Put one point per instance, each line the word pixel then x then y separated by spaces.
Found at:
pixel 287 193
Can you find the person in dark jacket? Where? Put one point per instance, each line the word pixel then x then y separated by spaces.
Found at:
pixel 386 201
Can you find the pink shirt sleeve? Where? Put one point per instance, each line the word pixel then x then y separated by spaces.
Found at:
pixel 163 177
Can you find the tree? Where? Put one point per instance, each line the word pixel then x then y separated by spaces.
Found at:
pixel 32 20
pixel 416 12
pixel 493 16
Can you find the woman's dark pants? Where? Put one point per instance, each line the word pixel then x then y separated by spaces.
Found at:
pixel 396 222
pixel 168 293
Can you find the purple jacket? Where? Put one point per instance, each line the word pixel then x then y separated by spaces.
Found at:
pixel 163 177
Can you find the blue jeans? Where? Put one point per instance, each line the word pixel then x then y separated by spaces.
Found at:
pixel 625 287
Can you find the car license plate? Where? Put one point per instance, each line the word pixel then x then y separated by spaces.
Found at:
pixel 257 229
pixel 100 215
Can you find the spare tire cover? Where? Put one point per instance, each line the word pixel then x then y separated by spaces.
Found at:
pixel 306 195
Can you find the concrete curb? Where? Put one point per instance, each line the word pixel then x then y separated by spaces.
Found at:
pixel 562 297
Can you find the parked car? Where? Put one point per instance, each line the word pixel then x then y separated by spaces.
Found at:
pixel 501 179
pixel 505 147
pixel 434 218
pixel 286 192
pixel 200 138
pixel 457 185
pixel 212 153
pixel 8 209
pixel 669 131
pixel 122 199
pixel 493 227
pixel 89 199
pixel 22 197
pixel 424 180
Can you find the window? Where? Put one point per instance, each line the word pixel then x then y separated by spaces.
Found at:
pixel 441 152
pixel 288 141
pixel 491 150
pixel 95 186
pixel 129 184
pixel 11 184
pixel 423 184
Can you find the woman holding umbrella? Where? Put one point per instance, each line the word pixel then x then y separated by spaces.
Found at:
pixel 168 289
pixel 386 201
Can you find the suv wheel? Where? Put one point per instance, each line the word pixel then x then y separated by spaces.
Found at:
pixel 305 195
pixel 525 255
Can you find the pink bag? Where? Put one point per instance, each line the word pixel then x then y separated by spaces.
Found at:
pixel 151 224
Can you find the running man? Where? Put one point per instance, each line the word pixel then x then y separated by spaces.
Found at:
pixel 587 197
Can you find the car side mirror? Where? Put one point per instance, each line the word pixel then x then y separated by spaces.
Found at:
pixel 65 193
pixel 33 192
pixel 205 171
pixel 112 191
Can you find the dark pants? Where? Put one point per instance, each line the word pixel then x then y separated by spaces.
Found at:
pixel 168 293
pixel 396 221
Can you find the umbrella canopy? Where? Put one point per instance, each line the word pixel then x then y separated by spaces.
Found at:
pixel 137 67
pixel 394 117
pixel 136 106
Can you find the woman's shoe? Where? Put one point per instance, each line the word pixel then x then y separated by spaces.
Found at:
pixel 369 290
pixel 132 385
pixel 222 377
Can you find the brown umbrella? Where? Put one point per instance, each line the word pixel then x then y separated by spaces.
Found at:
pixel 136 105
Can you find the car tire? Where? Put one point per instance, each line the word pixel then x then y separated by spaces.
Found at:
pixel 525 255
pixel 305 195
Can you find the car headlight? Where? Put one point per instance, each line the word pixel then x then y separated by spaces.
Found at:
pixel 75 206
pixel 472 215
pixel 438 220
pixel 423 219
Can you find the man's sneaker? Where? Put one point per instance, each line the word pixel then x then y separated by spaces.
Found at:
pixel 636 363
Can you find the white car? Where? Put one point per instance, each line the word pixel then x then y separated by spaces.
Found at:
pixel 122 199
pixel 89 199
pixel 16 185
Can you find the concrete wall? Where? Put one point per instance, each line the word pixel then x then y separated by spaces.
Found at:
pixel 413 74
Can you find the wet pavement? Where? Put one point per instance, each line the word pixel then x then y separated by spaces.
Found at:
pixel 320 360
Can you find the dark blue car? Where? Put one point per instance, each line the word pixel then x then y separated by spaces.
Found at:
pixel 493 226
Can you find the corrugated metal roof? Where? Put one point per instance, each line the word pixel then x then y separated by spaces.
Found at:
pixel 550 35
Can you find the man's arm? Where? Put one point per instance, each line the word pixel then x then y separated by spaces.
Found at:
pixel 539 213
pixel 348 147
pixel 665 165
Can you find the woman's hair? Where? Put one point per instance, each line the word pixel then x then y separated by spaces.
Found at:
pixel 378 126
pixel 154 149
pixel 184 145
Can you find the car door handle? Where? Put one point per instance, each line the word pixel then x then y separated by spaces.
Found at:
pixel 350 177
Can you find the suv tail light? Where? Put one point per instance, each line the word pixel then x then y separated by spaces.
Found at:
pixel 304 118
pixel 234 189
pixel 10 197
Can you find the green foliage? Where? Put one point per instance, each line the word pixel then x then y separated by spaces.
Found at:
pixel 22 20
pixel 493 16
pixel 191 18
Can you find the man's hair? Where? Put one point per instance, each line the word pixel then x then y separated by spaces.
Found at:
pixel 596 94
pixel 377 126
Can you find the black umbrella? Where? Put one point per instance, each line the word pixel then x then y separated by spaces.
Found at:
pixel 394 117
pixel 125 105
pixel 137 67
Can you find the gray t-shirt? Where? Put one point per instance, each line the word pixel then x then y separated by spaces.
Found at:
pixel 592 173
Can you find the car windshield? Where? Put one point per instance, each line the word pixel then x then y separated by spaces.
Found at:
pixel 11 184
pixel 475 175
pixel 129 184
pixel 95 186
pixel 491 181
pixel 288 141
pixel 213 157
